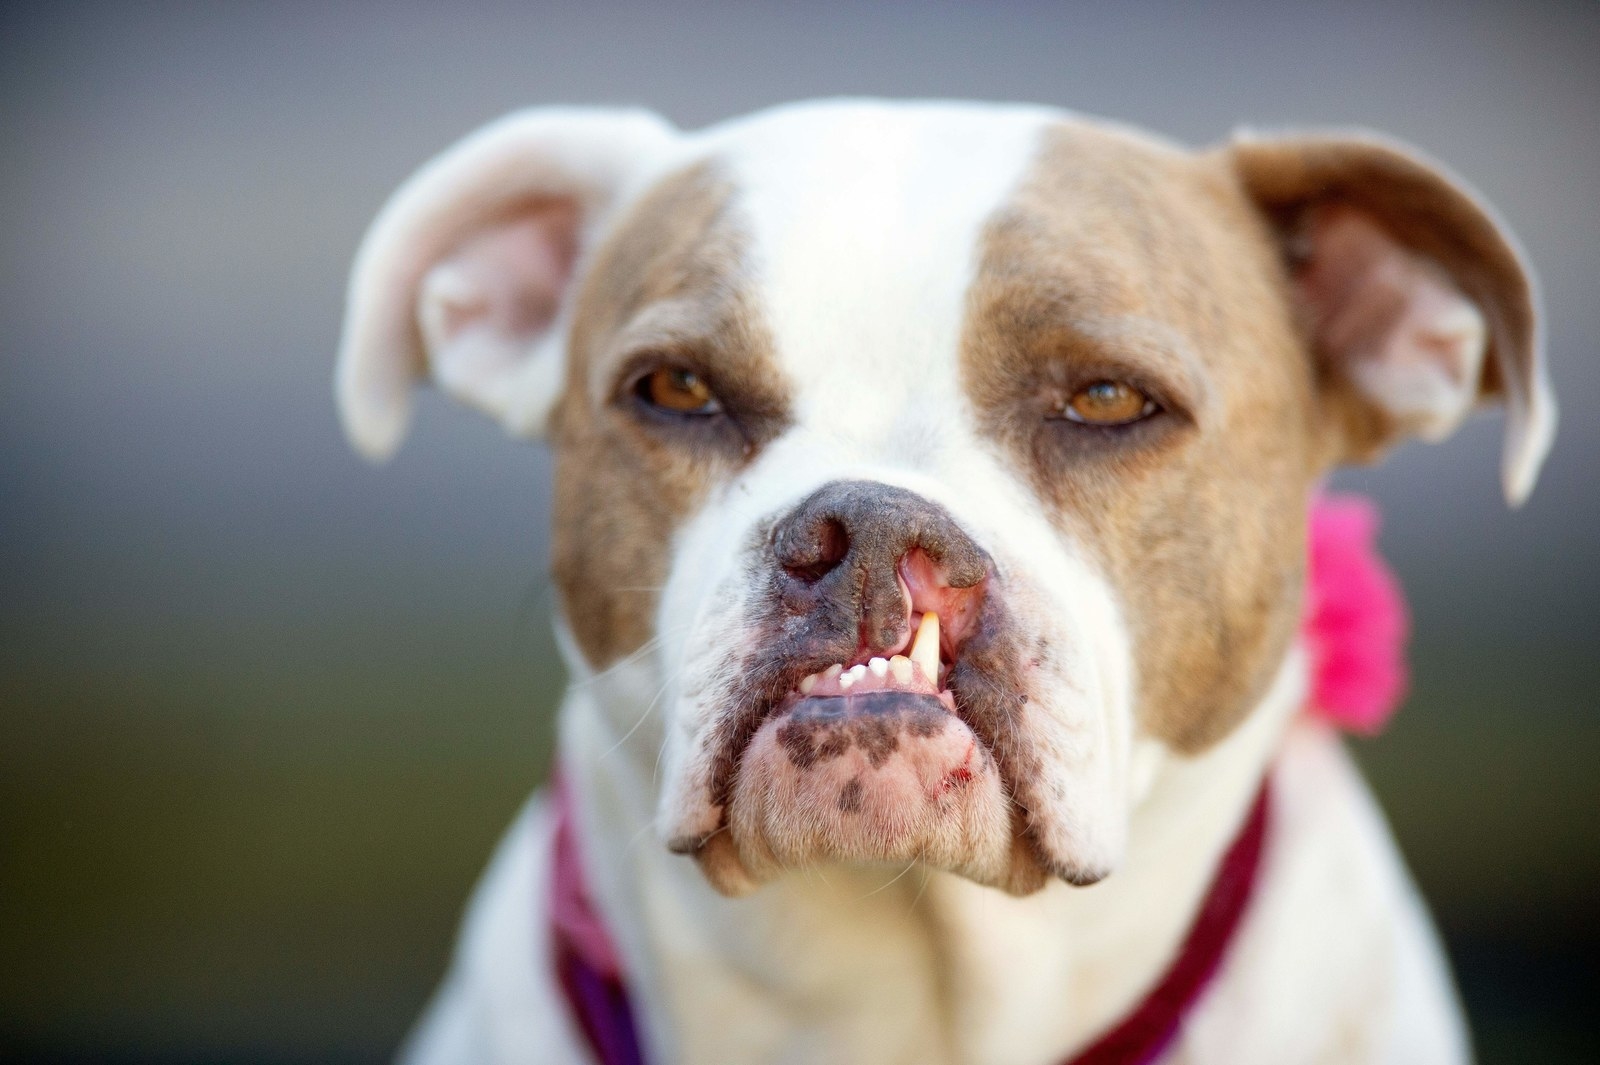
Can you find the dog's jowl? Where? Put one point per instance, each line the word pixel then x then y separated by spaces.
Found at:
pixel 930 533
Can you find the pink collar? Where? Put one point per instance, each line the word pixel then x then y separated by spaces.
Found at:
pixel 586 962
pixel 1355 628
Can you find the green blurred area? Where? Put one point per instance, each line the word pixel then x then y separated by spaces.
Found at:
pixel 1488 776
pixel 205 863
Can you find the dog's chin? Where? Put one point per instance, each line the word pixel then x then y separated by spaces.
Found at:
pixel 886 778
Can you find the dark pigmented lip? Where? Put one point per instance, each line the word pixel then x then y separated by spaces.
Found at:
pixel 809 731
pixel 858 702
pixel 778 694
pixel 878 702
pixel 791 702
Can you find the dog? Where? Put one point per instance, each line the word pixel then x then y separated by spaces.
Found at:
pixel 930 539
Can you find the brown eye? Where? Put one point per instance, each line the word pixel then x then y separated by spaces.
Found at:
pixel 1108 403
pixel 677 391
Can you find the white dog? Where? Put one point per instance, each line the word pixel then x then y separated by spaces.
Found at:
pixel 930 537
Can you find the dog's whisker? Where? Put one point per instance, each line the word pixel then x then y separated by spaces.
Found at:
pixel 621 663
pixel 927 875
pixel 626 736
pixel 655 768
pixel 631 658
pixel 912 864
pixel 644 831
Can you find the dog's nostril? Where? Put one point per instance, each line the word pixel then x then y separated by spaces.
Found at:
pixel 821 553
pixel 833 541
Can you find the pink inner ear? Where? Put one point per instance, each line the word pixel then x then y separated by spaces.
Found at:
pixel 1400 329
pixel 483 307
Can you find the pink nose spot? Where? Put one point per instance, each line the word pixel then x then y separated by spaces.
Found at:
pixel 926 589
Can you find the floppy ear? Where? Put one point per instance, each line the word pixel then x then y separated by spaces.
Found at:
pixel 464 274
pixel 1418 302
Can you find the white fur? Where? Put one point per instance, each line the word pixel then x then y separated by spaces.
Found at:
pixel 498 1003
pixel 864 222
pixel 900 195
pixel 422 297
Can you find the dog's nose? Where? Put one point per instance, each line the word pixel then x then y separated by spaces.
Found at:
pixel 873 555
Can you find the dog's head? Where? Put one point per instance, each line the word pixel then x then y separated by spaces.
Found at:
pixel 935 454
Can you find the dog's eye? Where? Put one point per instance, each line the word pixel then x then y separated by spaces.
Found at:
pixel 677 391
pixel 1107 403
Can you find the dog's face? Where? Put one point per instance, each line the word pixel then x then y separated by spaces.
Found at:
pixel 938 455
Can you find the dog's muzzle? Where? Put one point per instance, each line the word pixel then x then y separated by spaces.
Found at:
pixel 855 744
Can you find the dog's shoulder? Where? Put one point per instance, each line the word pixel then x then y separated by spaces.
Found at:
pixel 1337 961
pixel 499 1004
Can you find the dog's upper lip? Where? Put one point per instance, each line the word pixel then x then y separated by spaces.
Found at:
pixel 926 592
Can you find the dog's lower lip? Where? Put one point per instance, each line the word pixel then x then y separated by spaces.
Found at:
pixel 944 696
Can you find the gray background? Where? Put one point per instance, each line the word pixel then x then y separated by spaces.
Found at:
pixel 265 708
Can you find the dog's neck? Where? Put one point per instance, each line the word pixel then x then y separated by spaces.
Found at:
pixel 860 965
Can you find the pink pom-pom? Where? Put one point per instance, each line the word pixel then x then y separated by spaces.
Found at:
pixel 1356 622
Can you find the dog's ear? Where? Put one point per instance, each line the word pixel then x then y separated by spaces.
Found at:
pixel 465 272
pixel 1418 303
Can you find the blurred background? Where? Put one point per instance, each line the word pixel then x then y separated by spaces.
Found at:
pixel 264 709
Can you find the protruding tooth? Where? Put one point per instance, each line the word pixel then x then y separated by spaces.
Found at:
pixel 900 666
pixel 879 667
pixel 807 684
pixel 845 680
pixel 925 648
pixel 832 671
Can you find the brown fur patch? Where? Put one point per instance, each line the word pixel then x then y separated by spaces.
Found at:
pixel 669 284
pixel 1122 259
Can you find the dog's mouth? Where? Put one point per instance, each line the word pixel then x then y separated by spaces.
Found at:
pixel 919 668
pixel 939 620
pixel 878 759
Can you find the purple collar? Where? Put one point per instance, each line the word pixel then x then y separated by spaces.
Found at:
pixel 591 976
